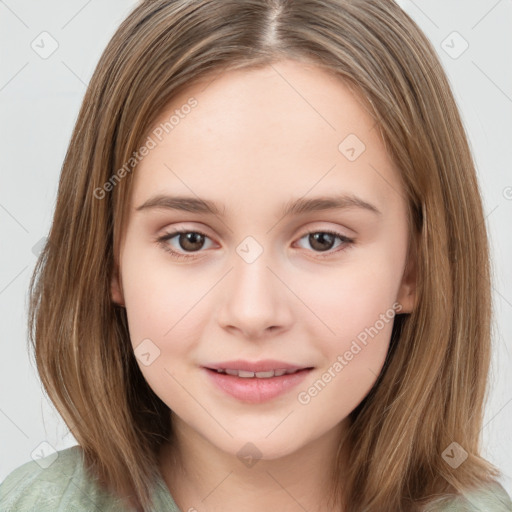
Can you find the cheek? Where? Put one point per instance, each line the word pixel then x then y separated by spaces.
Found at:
pixel 351 328
pixel 346 301
pixel 163 323
pixel 159 296
pixel 354 350
pixel 166 310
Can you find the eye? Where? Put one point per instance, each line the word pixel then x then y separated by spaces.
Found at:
pixel 323 241
pixel 188 240
pixel 194 241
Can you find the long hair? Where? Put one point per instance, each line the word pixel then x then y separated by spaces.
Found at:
pixel 432 390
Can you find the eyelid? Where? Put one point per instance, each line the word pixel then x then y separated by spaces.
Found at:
pixel 346 242
pixel 180 227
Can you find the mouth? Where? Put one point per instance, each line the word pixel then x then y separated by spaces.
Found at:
pixel 262 369
pixel 244 374
pixel 255 387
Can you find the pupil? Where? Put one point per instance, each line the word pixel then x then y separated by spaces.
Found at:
pixel 317 239
pixel 187 241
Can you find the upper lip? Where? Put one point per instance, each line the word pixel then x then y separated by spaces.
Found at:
pixel 264 365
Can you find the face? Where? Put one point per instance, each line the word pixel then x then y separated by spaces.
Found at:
pixel 315 288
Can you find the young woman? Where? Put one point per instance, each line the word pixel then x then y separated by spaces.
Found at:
pixel 266 285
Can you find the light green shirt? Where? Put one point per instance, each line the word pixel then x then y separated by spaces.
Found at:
pixel 63 486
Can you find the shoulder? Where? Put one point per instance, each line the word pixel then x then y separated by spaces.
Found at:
pixel 53 483
pixel 490 497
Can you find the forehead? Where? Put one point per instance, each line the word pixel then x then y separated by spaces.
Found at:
pixel 274 132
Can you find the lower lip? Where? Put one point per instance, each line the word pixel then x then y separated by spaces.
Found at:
pixel 255 390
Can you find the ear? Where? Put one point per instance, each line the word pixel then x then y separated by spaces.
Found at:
pixel 407 292
pixel 116 288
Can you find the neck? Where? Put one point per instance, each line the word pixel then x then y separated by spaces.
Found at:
pixel 203 478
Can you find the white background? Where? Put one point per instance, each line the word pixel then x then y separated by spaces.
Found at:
pixel 39 102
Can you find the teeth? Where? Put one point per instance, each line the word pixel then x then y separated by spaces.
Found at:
pixel 246 375
pixel 264 375
pixel 260 375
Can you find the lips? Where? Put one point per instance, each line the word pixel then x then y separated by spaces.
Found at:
pixel 255 387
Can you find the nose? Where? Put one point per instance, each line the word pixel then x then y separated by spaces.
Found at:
pixel 254 300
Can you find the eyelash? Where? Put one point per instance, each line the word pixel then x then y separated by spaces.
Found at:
pixel 162 240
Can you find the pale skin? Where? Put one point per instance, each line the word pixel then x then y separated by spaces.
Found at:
pixel 254 143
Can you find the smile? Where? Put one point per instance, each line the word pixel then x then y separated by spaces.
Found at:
pixel 259 375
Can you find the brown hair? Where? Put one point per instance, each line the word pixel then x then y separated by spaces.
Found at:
pixel 432 389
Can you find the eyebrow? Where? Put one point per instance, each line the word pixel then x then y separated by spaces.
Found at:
pixel 293 207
